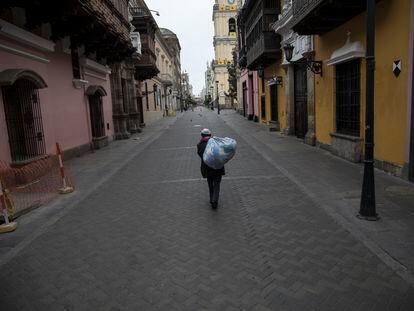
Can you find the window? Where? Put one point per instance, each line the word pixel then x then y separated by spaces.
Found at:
pixel 24 120
pixel 232 25
pixel 155 97
pixel 124 90
pixel 75 63
pixel 146 95
pixel 348 94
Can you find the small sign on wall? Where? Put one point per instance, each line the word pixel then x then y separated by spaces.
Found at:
pixel 396 67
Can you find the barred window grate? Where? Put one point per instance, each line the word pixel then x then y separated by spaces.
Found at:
pixel 348 97
pixel 24 120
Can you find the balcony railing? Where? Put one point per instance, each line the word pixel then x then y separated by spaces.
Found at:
pixel 243 57
pixel 140 12
pixel 303 7
pixel 166 76
pixel 264 51
pixel 321 16
pixel 122 7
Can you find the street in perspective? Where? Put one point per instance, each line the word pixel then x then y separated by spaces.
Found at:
pixel 252 155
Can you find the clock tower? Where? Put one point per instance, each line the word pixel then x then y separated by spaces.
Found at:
pixel 225 40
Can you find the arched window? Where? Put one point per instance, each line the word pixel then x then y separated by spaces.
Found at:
pixel 24 119
pixel 232 25
pixel 95 94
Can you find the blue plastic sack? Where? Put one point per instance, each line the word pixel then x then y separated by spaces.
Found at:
pixel 219 151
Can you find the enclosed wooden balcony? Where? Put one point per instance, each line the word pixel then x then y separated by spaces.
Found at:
pixel 265 51
pixel 262 44
pixel 243 57
pixel 320 16
pixel 101 26
pixel 144 23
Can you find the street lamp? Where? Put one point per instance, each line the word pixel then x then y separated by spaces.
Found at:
pixel 218 102
pixel 156 12
pixel 367 209
pixel 212 95
pixel 314 66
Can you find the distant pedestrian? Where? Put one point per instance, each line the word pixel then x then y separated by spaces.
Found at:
pixel 213 176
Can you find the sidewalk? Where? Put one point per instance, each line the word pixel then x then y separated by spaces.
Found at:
pixel 90 171
pixel 335 185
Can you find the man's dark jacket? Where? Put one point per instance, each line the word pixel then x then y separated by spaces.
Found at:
pixel 207 171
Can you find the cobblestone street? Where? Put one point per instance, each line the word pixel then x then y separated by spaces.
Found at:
pixel 144 237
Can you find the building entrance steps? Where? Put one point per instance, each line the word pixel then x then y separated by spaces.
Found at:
pixel 139 233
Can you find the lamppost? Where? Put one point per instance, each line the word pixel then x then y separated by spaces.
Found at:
pixel 218 102
pixel 211 96
pixel 314 66
pixel 368 206
pixel 156 12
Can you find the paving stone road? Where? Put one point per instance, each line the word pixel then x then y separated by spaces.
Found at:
pixel 147 239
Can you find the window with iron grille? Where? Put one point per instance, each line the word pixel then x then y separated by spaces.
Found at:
pixel 75 63
pixel 155 97
pixel 348 97
pixel 146 96
pixel 24 120
pixel 124 90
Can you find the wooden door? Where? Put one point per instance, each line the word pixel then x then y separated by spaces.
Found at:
pixel 274 113
pixel 301 101
pixel 244 98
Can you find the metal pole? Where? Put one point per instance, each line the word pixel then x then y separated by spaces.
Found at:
pixel 367 208
pixel 218 100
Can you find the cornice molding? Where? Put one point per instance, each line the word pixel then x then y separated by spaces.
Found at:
pixel 22 36
pixel 90 64
pixel 350 50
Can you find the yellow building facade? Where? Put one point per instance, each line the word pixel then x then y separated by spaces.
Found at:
pixel 225 40
pixel 273 111
pixel 345 45
pixel 334 102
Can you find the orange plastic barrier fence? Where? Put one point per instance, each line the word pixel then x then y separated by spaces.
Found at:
pixel 32 185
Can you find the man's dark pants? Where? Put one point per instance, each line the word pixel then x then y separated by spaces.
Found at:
pixel 214 187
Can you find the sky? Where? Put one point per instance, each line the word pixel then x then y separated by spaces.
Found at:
pixel 191 21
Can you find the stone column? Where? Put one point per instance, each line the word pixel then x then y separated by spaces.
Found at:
pixel 290 100
pixel 119 115
pixel 133 113
pixel 310 137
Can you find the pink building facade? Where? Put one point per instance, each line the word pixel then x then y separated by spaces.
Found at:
pixel 250 97
pixel 54 84
pixel 41 103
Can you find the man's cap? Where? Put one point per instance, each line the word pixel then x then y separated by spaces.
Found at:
pixel 205 132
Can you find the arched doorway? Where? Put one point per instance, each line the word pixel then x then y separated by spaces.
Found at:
pixel 96 112
pixel 23 114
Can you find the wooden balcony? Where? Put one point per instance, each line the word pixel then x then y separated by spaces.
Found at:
pixel 243 57
pixel 167 79
pixel 146 67
pixel 320 16
pixel 262 44
pixel 265 51
pixel 144 23
pixel 101 26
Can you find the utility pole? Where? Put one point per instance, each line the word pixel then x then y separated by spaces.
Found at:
pixel 368 206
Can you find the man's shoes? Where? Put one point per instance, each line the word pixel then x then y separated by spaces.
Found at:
pixel 213 205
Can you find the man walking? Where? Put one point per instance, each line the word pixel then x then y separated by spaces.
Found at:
pixel 213 176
